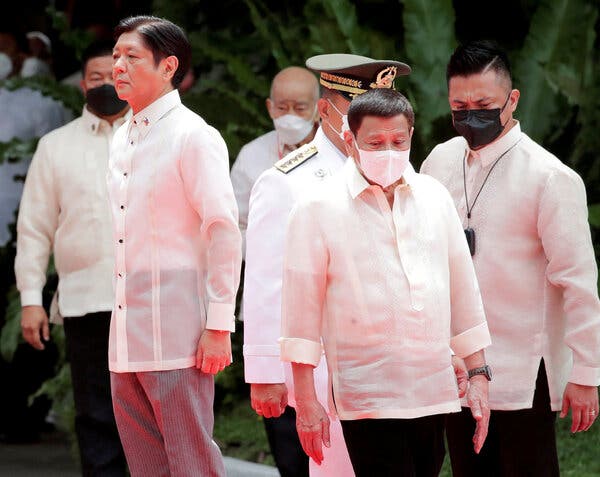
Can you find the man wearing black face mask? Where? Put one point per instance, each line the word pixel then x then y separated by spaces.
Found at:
pixel 64 210
pixel 525 219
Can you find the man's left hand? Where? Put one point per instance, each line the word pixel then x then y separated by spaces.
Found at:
pixel 214 351
pixel 583 401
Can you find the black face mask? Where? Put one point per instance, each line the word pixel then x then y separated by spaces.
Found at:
pixel 104 101
pixel 479 126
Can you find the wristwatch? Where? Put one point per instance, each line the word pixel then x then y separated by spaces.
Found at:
pixel 485 370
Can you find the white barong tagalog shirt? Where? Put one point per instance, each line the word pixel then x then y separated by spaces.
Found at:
pixel 534 262
pixel 64 210
pixel 178 246
pixel 389 291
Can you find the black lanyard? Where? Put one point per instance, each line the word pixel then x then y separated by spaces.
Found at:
pixel 470 209
pixel 469 232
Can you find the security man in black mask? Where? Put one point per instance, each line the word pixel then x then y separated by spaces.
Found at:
pixel 64 211
pixel 525 218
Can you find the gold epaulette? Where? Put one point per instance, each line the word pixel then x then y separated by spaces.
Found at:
pixel 295 158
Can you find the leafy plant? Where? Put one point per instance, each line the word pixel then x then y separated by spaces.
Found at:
pixel 239 46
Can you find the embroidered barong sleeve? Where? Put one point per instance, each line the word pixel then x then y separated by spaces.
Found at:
pixel 565 234
pixel 304 287
pixel 205 155
pixel 37 222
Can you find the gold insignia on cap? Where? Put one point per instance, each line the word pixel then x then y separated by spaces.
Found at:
pixel 341 80
pixel 296 158
pixel 340 83
pixel 385 78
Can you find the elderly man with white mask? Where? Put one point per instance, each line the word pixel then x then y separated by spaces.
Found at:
pixel 292 105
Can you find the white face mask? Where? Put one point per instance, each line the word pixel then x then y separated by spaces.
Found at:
pixel 292 129
pixel 6 66
pixel 34 67
pixel 384 167
pixel 345 126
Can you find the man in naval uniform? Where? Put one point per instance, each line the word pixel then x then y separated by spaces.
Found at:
pixel 342 76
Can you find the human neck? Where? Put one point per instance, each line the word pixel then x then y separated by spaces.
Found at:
pixel 136 107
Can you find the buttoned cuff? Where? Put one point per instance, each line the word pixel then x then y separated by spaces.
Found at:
pixel 262 364
pixel 31 298
pixel 299 350
pixel 221 316
pixel 471 341
pixel 585 376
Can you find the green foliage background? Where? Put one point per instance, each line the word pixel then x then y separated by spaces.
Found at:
pixel 239 45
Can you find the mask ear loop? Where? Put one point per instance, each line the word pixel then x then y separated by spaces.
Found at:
pixel 503 107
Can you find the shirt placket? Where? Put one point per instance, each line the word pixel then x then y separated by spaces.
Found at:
pixel 125 168
pixel 407 225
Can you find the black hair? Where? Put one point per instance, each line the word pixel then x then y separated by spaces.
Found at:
pixel 95 50
pixel 163 38
pixel 380 102
pixel 477 56
pixel 18 36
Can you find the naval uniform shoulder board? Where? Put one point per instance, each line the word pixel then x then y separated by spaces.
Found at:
pixel 296 158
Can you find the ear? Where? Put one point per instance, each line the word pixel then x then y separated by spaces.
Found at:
pixel 410 134
pixel 269 104
pixel 170 64
pixel 515 94
pixel 349 142
pixel 82 86
pixel 323 108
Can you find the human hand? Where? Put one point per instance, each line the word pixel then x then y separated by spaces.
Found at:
pixel 583 401
pixel 462 375
pixel 34 325
pixel 312 424
pixel 268 400
pixel 477 398
pixel 214 351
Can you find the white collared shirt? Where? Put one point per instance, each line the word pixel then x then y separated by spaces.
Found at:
pixel 64 209
pixel 177 242
pixel 389 291
pixel 535 264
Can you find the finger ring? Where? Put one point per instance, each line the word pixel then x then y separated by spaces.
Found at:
pixel 592 413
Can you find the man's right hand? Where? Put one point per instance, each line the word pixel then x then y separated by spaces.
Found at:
pixel 268 400
pixel 34 325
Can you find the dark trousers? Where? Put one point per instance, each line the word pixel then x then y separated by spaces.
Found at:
pixel 519 443
pixel 396 447
pixel 290 458
pixel 100 448
pixel 21 421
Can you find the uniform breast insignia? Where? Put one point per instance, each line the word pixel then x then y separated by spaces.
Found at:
pixel 296 158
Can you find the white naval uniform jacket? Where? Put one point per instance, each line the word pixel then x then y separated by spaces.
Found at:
pixel 271 201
